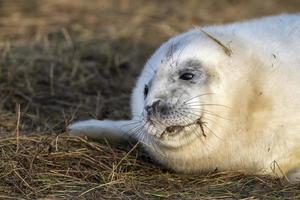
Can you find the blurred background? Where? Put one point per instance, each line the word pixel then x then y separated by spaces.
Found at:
pixel 64 60
pixel 67 59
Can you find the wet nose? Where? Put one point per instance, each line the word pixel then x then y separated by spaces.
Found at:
pixel 150 109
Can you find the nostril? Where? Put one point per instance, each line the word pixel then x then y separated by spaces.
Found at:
pixel 155 105
pixel 148 110
pixel 153 108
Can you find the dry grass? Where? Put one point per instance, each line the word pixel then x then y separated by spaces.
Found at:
pixel 61 166
pixel 59 61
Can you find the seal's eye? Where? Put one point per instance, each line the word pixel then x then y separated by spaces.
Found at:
pixel 146 89
pixel 186 76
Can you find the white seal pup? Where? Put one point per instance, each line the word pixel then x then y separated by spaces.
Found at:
pixel 223 97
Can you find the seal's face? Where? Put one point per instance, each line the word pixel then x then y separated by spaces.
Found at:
pixel 173 99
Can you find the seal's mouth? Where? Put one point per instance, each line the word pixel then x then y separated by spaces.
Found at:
pixel 174 130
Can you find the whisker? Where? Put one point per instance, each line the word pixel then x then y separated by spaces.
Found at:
pixel 178 100
pixel 204 124
pixel 208 113
pixel 197 97
pixel 131 123
pixel 207 104
pixel 136 114
pixel 135 129
pixel 140 133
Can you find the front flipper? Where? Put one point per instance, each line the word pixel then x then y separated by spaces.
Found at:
pixel 105 129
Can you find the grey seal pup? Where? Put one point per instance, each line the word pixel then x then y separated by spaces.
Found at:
pixel 223 97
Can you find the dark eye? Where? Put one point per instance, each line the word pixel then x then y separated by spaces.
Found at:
pixel 146 89
pixel 186 76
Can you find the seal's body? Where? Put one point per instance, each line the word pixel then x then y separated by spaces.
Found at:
pixel 220 97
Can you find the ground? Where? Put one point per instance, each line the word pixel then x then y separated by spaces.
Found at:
pixel 64 60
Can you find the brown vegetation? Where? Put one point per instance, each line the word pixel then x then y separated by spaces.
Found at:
pixel 61 60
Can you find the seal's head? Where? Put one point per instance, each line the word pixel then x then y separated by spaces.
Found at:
pixel 173 102
pixel 175 88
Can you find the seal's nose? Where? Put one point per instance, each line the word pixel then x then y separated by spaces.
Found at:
pixel 154 108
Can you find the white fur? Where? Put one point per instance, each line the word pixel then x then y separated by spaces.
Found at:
pixel 253 122
pixel 107 128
